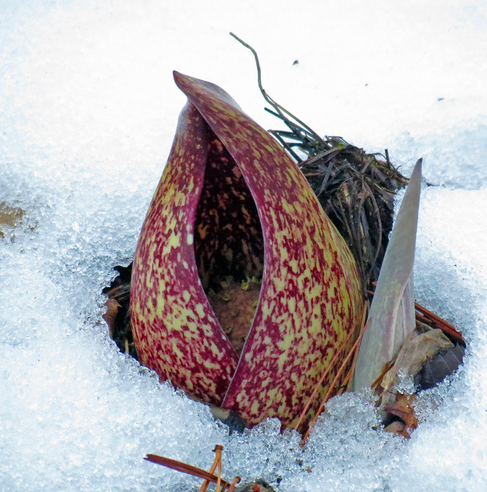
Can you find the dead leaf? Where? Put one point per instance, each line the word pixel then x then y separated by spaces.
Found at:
pixel 403 408
pixel 443 364
pixel 397 428
pixel 111 314
pixel 416 349
pixel 420 345
pixel 9 217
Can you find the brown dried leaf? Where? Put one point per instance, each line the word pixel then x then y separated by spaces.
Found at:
pixel 111 314
pixel 441 365
pixel 397 428
pixel 420 345
pixel 403 408
pixel 416 349
pixel 9 217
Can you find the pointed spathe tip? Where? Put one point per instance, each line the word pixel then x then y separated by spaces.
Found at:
pixel 178 77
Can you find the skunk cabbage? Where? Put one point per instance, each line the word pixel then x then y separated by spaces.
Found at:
pixel 392 314
pixel 231 202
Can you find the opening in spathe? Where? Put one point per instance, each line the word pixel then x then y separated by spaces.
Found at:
pixel 228 242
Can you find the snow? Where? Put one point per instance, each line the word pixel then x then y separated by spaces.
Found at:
pixel 88 111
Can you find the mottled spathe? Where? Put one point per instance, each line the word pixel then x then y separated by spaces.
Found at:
pixel 310 295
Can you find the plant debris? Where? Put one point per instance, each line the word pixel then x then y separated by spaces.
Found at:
pixel 11 218
pixel 427 356
pixel 421 344
pixel 355 189
pixel 118 311
pixel 403 410
pixel 258 485
pixel 234 305
pixel 438 367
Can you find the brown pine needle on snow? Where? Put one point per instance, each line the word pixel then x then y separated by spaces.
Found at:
pixel 208 477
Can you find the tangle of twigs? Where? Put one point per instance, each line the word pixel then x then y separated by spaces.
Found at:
pixel 355 189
